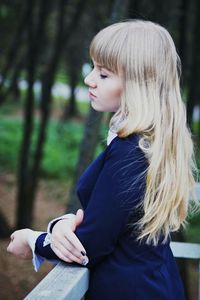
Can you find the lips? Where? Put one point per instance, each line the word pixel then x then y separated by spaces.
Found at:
pixel 91 95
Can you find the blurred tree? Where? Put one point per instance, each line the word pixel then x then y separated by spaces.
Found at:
pixel 74 66
pixel 26 192
pixel 93 121
pixel 28 180
pixel 182 42
pixel 12 51
pixel 194 78
pixel 75 57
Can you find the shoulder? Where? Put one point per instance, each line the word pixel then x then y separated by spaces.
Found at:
pixel 125 157
pixel 127 147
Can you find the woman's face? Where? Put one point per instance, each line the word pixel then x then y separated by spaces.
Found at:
pixel 105 89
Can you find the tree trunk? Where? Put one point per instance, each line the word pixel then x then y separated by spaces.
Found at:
pixel 133 8
pixel 193 93
pixel 183 36
pixel 14 50
pixel 24 197
pixel 5 229
pixel 91 133
pixel 26 203
pixel 71 108
pixel 23 175
pixel 86 154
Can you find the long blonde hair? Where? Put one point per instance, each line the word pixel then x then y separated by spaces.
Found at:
pixel 144 54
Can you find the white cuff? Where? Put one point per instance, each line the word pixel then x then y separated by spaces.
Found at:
pixel 67 216
pixel 37 260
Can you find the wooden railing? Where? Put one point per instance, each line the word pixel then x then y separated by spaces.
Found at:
pixel 189 251
pixel 66 282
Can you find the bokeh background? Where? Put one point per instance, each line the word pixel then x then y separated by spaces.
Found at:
pixel 48 132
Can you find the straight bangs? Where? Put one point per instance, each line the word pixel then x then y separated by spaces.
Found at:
pixel 106 48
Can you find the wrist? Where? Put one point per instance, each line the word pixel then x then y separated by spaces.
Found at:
pixel 28 234
pixel 31 237
pixel 64 217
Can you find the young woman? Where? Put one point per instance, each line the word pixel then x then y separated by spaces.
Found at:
pixel 136 191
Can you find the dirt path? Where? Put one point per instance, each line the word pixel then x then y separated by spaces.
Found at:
pixel 17 277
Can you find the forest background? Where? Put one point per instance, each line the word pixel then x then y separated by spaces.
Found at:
pixel 48 132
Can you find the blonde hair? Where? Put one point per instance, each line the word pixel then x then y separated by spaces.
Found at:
pixel 144 54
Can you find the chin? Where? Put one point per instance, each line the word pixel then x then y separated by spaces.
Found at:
pixel 102 109
pixel 95 107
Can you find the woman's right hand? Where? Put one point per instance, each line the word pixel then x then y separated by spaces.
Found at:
pixel 18 245
pixel 65 243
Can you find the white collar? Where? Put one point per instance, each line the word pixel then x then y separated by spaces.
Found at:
pixel 111 136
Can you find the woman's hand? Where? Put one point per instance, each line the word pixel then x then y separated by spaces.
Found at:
pixel 18 245
pixel 65 243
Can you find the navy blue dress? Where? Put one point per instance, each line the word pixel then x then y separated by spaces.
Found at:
pixel 120 268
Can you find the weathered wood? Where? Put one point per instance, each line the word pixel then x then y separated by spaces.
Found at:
pixel 64 282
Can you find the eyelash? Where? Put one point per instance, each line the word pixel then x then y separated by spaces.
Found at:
pixel 103 76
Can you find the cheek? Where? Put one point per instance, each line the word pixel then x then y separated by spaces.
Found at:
pixel 116 93
pixel 115 99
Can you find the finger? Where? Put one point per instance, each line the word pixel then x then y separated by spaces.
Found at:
pixel 67 245
pixel 64 242
pixel 60 254
pixel 64 248
pixel 72 238
pixel 79 217
pixel 70 256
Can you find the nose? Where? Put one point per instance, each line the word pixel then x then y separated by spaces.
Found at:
pixel 90 81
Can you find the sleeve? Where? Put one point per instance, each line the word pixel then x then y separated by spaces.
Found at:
pixel 40 244
pixel 37 260
pixel 118 189
pixel 41 250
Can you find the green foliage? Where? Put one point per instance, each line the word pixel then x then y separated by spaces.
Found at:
pixel 10 108
pixel 10 139
pixel 192 232
pixel 60 149
pixel 195 127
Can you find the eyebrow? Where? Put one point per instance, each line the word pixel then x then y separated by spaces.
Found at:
pixel 104 67
pixel 100 66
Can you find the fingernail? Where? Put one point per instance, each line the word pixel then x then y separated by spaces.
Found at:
pixel 83 253
pixel 85 261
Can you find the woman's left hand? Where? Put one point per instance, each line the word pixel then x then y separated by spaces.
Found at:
pixel 65 243
pixel 18 245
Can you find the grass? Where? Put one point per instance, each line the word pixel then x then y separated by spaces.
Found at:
pixel 195 127
pixel 192 231
pixel 60 150
pixel 10 137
